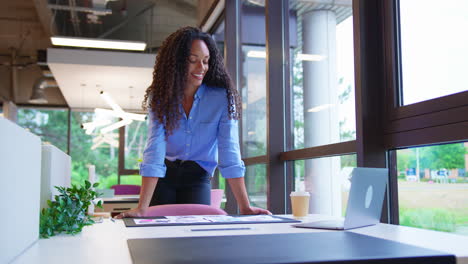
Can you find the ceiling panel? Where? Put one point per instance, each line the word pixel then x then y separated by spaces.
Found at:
pixel 82 74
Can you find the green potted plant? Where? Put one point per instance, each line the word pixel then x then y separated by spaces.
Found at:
pixel 67 212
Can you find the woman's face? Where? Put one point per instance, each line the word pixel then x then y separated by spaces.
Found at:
pixel 198 63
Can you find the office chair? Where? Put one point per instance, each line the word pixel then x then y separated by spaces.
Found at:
pixel 183 209
pixel 121 189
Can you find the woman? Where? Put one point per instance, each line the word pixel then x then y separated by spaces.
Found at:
pixel 193 109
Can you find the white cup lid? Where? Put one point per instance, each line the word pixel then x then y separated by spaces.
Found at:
pixel 300 194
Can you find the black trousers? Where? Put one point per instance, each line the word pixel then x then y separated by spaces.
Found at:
pixel 185 182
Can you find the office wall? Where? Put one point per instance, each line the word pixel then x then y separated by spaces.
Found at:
pixel 56 171
pixel 20 176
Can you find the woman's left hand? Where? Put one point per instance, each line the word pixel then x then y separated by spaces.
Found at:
pixel 254 211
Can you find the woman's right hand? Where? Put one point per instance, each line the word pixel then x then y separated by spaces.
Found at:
pixel 136 212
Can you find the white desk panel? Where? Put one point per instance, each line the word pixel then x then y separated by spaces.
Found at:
pixel 20 176
pixel 107 242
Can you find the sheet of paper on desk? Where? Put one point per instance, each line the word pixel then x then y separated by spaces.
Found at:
pixel 200 219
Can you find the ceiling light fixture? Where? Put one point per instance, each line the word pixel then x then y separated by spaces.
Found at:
pixel 38 94
pixel 117 111
pixel 304 57
pixel 310 57
pixel 90 126
pixel 320 108
pixel 110 138
pixel 103 135
pixel 256 54
pixel 136 117
pixel 116 125
pixel 98 43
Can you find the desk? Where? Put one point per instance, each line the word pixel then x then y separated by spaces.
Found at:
pixel 118 204
pixel 107 242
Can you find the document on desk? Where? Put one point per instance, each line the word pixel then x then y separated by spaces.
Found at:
pixel 205 220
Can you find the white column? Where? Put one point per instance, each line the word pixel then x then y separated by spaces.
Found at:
pixel 92 180
pixel 321 125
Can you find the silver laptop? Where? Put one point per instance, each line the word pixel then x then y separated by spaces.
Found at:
pixel 365 201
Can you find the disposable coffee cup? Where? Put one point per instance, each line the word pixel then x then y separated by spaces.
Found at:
pixel 300 203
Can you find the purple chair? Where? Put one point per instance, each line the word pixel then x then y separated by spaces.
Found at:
pixel 183 209
pixel 122 189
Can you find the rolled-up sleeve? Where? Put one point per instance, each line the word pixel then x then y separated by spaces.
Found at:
pixel 230 163
pixel 155 151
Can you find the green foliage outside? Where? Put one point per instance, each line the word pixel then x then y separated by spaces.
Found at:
pixel 425 210
pixel 438 219
pixel 135 142
pixel 105 157
pixel 255 175
pixel 447 156
pixel 52 126
pixel 107 182
pixel 67 212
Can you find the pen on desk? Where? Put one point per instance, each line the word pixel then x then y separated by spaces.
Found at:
pixel 221 229
pixel 112 219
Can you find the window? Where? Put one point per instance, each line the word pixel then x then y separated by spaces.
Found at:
pixel 322 74
pixel 130 179
pixel 433 187
pixel 423 57
pixel 218 182
pixel 327 180
pixel 254 102
pixel 434 57
pixel 253 80
pixel 51 125
pixel 86 150
pixel 135 143
pixel 255 181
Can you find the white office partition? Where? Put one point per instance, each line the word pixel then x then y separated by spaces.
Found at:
pixel 20 175
pixel 56 171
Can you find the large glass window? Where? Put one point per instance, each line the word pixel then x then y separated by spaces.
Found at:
pixel 433 187
pixel 135 142
pixel 253 80
pixel 51 125
pixel 218 182
pixel 323 74
pixel 256 183
pixel 434 57
pixel 93 149
pixel 328 182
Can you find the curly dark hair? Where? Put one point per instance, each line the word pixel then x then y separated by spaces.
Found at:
pixel 164 95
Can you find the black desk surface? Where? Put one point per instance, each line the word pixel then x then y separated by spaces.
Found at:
pixel 320 247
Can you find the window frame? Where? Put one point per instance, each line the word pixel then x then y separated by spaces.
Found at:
pixel 438 120
pixel 435 121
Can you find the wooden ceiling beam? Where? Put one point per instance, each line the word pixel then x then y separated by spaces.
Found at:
pixel 45 17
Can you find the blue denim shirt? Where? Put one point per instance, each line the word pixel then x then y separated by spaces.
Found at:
pixel 207 136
